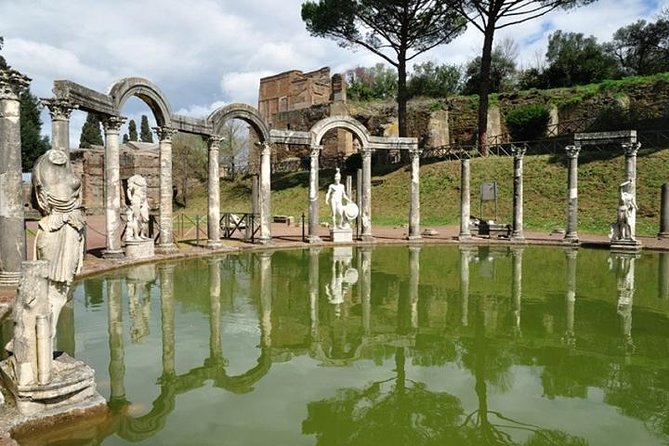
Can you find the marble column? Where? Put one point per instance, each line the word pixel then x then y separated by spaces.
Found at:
pixel 166 242
pixel 114 225
pixel 518 154
pixel 366 211
pixel 215 350
pixel 265 193
pixel 166 278
pixel 12 233
pixel 117 397
pixel 517 285
pixel 570 296
pixel 313 195
pixel 214 195
pixel 266 298
pixel 630 165
pixel 465 203
pixel 466 254
pixel 570 235
pixel 414 207
pixel 314 286
pixel 414 283
pixel 60 110
pixel 664 213
pixel 366 288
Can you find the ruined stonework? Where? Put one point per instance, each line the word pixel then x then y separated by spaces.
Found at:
pixel 136 158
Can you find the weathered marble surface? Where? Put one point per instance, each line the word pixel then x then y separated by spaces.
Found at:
pixel 138 211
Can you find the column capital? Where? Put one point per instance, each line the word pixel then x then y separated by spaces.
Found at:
pixel 165 133
pixel 315 151
pixel 572 151
pixel 112 124
pixel 631 149
pixel 214 141
pixel 415 152
pixel 518 151
pixel 265 147
pixel 12 84
pixel 366 152
pixel 59 109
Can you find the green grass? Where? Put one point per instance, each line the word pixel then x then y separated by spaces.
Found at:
pixel 544 185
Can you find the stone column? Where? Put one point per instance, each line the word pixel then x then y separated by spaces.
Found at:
pixel 12 233
pixel 570 297
pixel 265 193
pixel 518 154
pixel 266 298
pixel 414 208
pixel 313 195
pixel 166 277
pixel 517 284
pixel 114 225
pixel 366 288
pixel 215 350
pixel 117 397
pixel 664 213
pixel 60 110
pixel 414 282
pixel 366 211
pixel 214 195
pixel 314 291
pixel 465 203
pixel 166 243
pixel 630 165
pixel 572 194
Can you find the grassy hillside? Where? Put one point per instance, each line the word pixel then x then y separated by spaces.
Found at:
pixel 545 179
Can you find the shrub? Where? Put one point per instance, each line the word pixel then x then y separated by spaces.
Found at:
pixel 528 122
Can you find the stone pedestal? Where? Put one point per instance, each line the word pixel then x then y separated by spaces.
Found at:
pixel 139 249
pixel 72 386
pixel 625 246
pixel 344 235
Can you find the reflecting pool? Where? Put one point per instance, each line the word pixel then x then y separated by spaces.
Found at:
pixel 440 345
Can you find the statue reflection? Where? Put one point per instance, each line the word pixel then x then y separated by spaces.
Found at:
pixel 343 278
pixel 138 282
pixel 623 266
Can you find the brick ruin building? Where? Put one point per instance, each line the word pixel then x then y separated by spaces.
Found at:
pixel 294 100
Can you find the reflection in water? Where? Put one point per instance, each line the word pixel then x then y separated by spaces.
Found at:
pixel 663 276
pixel 138 282
pixel 412 357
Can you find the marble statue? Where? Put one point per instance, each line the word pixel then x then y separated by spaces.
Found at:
pixel 624 227
pixel 60 233
pixel 137 212
pixel 342 213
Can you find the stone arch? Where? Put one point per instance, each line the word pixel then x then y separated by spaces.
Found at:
pixel 244 112
pixel 147 91
pixel 324 125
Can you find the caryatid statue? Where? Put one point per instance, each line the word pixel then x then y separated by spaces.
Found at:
pixel 138 210
pixel 60 232
pixel 342 213
pixel 624 227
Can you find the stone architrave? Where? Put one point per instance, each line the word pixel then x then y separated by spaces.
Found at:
pixel 518 154
pixel 265 193
pixel 414 207
pixel 166 243
pixel 112 190
pixel 214 195
pixel 313 195
pixel 60 110
pixel 12 234
pixel 366 211
pixel 465 203
pixel 571 235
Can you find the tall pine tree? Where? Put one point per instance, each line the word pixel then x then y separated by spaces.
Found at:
pixel 33 144
pixel 90 132
pixel 132 130
pixel 145 132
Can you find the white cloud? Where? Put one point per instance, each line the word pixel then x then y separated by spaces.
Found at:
pixel 243 86
pixel 201 111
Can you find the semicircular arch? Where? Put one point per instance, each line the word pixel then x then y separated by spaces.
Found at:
pixel 319 129
pixel 147 91
pixel 246 113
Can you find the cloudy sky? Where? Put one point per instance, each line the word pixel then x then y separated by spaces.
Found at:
pixel 207 53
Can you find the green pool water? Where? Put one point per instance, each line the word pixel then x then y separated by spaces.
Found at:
pixel 385 346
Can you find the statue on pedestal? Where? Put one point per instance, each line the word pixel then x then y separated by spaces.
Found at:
pixel 624 227
pixel 342 214
pixel 138 211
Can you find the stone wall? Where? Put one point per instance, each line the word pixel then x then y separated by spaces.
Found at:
pixel 135 158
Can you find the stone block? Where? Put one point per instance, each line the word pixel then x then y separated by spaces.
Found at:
pixel 139 249
pixel 341 235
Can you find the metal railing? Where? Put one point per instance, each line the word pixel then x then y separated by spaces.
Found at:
pixel 233 222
